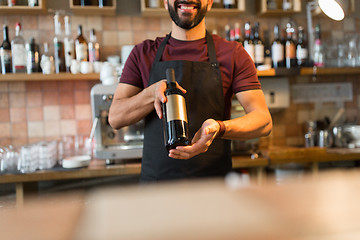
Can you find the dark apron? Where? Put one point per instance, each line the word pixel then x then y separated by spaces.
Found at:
pixel 204 100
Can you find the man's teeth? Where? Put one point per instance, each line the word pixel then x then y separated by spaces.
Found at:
pixel 187 8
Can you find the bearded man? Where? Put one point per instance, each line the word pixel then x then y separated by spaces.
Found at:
pixel 211 71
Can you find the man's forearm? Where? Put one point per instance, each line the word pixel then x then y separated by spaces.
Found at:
pixel 127 111
pixel 252 125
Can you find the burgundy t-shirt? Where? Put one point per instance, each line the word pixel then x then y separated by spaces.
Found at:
pixel 238 71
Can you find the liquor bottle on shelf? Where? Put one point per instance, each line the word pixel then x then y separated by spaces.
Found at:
pixel 301 49
pixel 237 32
pixel 94 47
pixel 81 46
pixel 103 3
pixel 259 46
pixel 176 126
pixel 5 52
pixel 11 3
pixel 290 48
pixel 229 3
pixel 18 51
pixel 84 3
pixel 47 61
pixel 59 56
pixel 69 50
pixel 267 49
pixel 277 49
pixel 248 42
pixel 33 58
pixel 217 4
pixel 318 48
pixel 227 32
pixel 32 3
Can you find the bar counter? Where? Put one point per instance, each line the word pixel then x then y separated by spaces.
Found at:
pixel 97 168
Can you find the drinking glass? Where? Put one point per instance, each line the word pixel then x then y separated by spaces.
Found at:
pixel 28 158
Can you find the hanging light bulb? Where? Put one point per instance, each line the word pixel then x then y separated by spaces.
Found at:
pixel 334 9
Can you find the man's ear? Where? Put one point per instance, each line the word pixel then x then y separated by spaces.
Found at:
pixel 210 3
pixel 166 4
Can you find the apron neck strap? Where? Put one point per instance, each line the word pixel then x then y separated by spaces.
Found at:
pixel 209 41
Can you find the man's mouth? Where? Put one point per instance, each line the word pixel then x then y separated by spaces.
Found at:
pixel 187 7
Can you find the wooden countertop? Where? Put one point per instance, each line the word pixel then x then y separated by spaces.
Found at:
pixel 274 156
pixel 322 208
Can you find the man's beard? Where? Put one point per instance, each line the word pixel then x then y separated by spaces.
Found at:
pixel 187 24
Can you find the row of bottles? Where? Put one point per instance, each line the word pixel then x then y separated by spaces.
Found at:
pixel 290 51
pixel 99 3
pixel 11 3
pixel 17 56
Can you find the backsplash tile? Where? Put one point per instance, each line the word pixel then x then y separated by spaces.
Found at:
pixel 32 111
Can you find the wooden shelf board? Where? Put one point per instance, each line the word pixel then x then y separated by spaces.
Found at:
pixel 90 10
pixel 48 77
pixel 22 10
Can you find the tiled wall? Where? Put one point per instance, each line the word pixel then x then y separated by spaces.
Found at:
pixel 33 111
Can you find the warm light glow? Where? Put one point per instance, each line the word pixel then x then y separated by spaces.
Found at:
pixel 332 9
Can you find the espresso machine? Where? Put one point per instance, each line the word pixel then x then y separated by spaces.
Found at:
pixel 110 144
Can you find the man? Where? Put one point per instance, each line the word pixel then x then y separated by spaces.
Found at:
pixel 210 70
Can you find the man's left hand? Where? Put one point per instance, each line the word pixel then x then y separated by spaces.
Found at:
pixel 200 142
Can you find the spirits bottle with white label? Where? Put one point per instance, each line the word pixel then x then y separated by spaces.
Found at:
pixel 18 51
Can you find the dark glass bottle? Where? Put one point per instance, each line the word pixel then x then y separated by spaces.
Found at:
pixel 277 49
pixel 301 48
pixel 33 57
pixel 267 49
pixel 5 52
pixel 176 127
pixel 259 46
pixel 290 48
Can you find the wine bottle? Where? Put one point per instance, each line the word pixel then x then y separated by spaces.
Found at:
pixel 237 32
pixel 5 52
pixel 176 127
pixel 33 58
pixel 81 47
pixel 94 47
pixel 301 49
pixel 318 48
pixel 59 56
pixel 277 49
pixel 290 48
pixel 18 51
pixel 248 42
pixel 259 46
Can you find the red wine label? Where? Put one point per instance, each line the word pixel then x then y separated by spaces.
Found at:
pixel 176 108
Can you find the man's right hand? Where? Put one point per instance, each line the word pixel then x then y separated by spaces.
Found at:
pixel 160 97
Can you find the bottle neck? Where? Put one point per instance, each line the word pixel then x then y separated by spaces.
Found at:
pixel 17 31
pixel 79 31
pixel 6 33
